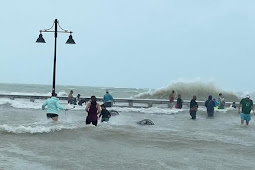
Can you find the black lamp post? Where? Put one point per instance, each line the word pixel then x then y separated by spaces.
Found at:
pixel 69 41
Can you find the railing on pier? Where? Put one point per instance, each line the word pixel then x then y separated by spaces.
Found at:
pixel 129 101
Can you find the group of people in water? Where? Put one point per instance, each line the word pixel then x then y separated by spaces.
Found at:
pixel 211 103
pixel 95 110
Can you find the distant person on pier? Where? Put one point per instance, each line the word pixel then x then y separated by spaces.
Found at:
pixel 53 107
pixel 71 99
pixel 247 105
pixel 221 101
pixel 108 99
pixel 179 102
pixel 93 109
pixel 171 99
pixel 210 104
pixel 193 108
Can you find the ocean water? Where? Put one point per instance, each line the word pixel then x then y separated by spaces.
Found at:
pixel 30 141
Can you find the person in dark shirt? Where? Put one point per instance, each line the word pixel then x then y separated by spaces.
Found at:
pixel 210 104
pixel 193 108
pixel 179 102
pixel 105 114
pixel 93 109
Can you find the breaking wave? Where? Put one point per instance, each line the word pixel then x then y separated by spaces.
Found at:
pixel 187 89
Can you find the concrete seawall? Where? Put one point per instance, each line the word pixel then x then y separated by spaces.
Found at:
pixel 128 101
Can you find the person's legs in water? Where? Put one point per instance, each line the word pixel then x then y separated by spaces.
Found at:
pixel 242 121
pixel 94 122
pixel 52 116
pixel 242 118
pixel 210 114
pixel 245 117
pixel 193 114
pixel 247 122
pixel 171 105
pixel 88 121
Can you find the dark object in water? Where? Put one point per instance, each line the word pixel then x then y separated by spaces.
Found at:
pixel 81 101
pixel 145 122
pixel 113 112
pixel 72 101
pixel 234 104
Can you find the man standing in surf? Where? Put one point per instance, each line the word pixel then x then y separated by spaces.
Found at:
pixel 108 99
pixel 53 107
pixel 210 104
pixel 93 109
pixel 247 105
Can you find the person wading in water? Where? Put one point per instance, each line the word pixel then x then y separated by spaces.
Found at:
pixel 53 107
pixel 93 109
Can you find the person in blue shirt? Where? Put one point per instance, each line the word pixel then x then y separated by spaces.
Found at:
pixel 53 107
pixel 108 99
pixel 216 102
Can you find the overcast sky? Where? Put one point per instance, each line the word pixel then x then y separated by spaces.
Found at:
pixel 130 43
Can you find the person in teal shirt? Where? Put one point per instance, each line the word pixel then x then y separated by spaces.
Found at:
pixel 52 107
pixel 108 99
pixel 247 105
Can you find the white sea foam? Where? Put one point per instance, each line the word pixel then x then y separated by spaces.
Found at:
pixel 27 104
pixel 62 94
pixel 46 127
